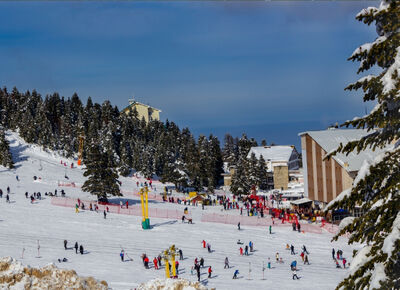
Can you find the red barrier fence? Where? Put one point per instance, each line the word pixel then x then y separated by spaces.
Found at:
pixel 256 221
pixel 211 218
pixel 135 210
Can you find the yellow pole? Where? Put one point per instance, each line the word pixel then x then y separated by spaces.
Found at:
pixel 172 254
pixel 167 274
pixel 147 202
pixel 141 198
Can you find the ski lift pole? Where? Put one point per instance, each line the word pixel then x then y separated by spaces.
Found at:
pixel 249 269
pixel 263 269
pixel 38 249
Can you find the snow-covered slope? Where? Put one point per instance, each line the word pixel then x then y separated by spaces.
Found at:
pixel 23 224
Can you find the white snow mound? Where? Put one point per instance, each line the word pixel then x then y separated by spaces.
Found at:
pixel 171 284
pixel 13 275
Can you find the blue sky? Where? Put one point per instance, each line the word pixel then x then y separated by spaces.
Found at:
pixel 270 69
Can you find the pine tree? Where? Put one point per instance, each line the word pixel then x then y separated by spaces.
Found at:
pixel 262 179
pixel 240 184
pixel 102 179
pixel 376 188
pixel 5 154
pixel 252 175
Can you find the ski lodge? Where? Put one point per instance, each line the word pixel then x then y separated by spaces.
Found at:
pixel 144 111
pixel 324 180
pixel 282 163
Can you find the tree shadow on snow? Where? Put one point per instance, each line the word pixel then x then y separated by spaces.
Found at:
pixel 164 223
pixel 118 200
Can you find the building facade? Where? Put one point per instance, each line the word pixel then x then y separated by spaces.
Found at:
pixel 325 179
pixel 145 112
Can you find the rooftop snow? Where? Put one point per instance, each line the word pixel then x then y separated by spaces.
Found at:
pixel 330 139
pixel 272 153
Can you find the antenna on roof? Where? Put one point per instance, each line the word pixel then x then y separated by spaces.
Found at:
pixel 132 100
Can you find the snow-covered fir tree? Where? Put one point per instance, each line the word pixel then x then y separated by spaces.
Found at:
pixel 5 154
pixel 102 179
pixel 377 187
pixel 240 183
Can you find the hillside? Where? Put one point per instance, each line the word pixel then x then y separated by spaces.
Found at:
pixel 24 224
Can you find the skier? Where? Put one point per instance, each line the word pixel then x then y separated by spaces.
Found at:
pixel 306 260
pixel 298 227
pixel 7 198
pixel 302 256
pixel 293 265
pixel 246 250
pixel 269 263
pixel 81 249
pixel 251 246
pixel 180 254
pixel 201 262
pixel 79 201
pixel 333 254
pixel 305 250
pixel 295 274
pixel 159 260
pixel 65 244
pixel 76 206
pixel 292 250
pixel 122 254
pixel 337 263
pixel 1 193
pixel 146 262
pixel 238 226
pixel 105 214
pixel 209 247
pixel 120 203
pixel 76 247
pixel 8 189
pixel 344 263
pixel 209 272
pixel 17 178
pixel 127 204
pixel 204 244
pixel 155 263
pixel 177 268
pixel 277 257
pixel 235 274
pixel 197 267
pixel 226 263
pixel 270 229
pixel 241 251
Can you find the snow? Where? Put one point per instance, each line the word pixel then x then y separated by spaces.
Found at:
pixel 360 259
pixel 345 193
pixel 13 275
pixel 388 244
pixel 345 222
pixel 387 81
pixel 23 224
pixel 171 284
pixel 273 153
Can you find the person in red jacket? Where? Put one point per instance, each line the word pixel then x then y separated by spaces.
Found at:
pixel 209 272
pixel 344 262
pixel 302 256
pixel 146 262
pixel 241 251
pixel 127 204
pixel 204 244
pixel 155 262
